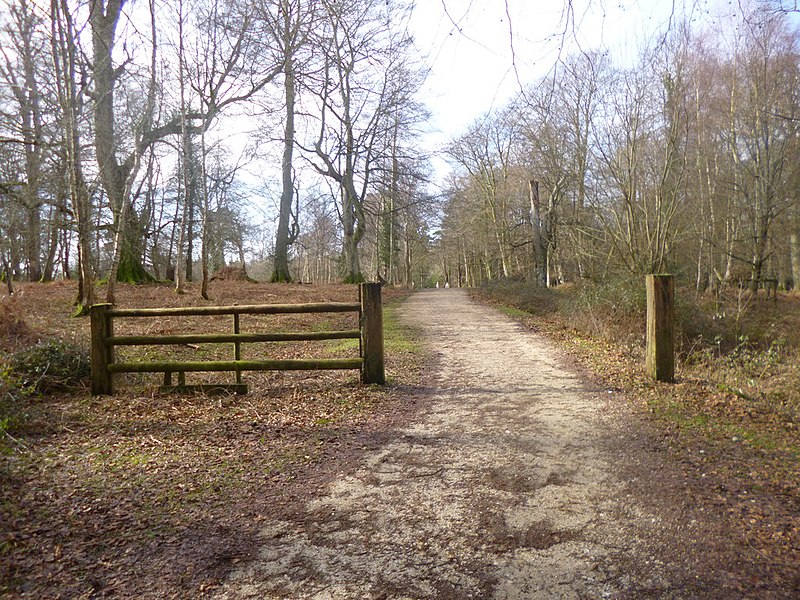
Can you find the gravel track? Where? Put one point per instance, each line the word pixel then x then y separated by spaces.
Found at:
pixel 512 483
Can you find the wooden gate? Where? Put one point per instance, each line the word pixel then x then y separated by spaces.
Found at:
pixel 370 334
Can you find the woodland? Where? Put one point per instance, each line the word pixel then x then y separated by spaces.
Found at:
pixel 148 146
pixel 131 132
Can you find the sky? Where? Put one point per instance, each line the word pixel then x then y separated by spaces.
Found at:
pixel 480 52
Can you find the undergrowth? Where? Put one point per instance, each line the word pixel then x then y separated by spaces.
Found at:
pixel 739 343
pixel 49 366
pixel 32 366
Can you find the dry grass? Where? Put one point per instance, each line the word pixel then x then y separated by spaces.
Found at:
pixel 150 495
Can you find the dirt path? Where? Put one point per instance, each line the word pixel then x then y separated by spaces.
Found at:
pixel 512 484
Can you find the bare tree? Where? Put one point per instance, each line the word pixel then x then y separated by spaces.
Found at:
pixel 763 111
pixel 644 160
pixel 65 57
pixel 485 153
pixel 118 169
pixel 362 56
pixel 289 23
pixel 21 72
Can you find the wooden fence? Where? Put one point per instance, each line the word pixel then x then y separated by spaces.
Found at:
pixel 370 334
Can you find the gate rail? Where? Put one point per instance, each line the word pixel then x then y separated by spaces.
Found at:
pixel 370 334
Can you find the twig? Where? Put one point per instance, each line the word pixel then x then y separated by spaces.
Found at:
pixel 15 440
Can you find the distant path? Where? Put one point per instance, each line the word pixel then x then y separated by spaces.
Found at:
pixel 509 486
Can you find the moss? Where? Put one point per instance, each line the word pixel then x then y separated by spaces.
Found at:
pixel 280 277
pixel 131 270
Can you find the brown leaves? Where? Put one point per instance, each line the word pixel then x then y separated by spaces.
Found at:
pixel 149 495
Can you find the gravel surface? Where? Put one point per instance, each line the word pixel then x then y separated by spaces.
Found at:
pixel 518 479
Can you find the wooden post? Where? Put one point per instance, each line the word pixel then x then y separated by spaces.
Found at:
pixel 660 362
pixel 237 347
pixel 102 354
pixel 372 369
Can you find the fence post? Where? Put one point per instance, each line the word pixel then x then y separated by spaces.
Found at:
pixel 372 370
pixel 102 354
pixel 660 361
pixel 237 347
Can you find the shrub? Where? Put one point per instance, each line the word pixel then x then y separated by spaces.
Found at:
pixel 50 366
pixel 527 296
pixel 13 415
pixel 614 309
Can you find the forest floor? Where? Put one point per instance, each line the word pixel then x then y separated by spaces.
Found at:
pixel 504 470
pixel 151 495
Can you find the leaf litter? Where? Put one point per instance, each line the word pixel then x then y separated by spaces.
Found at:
pixel 144 494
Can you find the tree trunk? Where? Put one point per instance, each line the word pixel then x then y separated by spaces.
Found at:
pixel 33 246
pixel 183 272
pixel 189 233
pixel 57 223
pixel 539 245
pixel 130 268
pixel 180 266
pixel 26 93
pixel 64 53
pixel 283 237
pixel 794 246
pixel 115 176
pixel 352 263
pixel 205 215
pixel 353 230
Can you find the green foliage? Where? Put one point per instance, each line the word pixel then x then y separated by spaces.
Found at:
pixel 81 310
pixel 131 270
pixel 50 366
pixel 7 424
pixel 523 295
pixel 397 336
pixel 750 361
pixel 14 412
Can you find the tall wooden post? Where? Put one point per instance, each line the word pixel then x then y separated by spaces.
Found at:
pixel 237 348
pixel 660 362
pixel 372 369
pixel 102 354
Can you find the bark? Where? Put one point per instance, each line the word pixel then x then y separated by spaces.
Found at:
pixel 189 233
pixel 7 275
pixel 28 98
pixel 57 224
pixel 65 60
pixel 794 245
pixel 539 243
pixel 353 232
pixel 204 226
pixel 116 176
pixel 284 236
pixel 180 271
